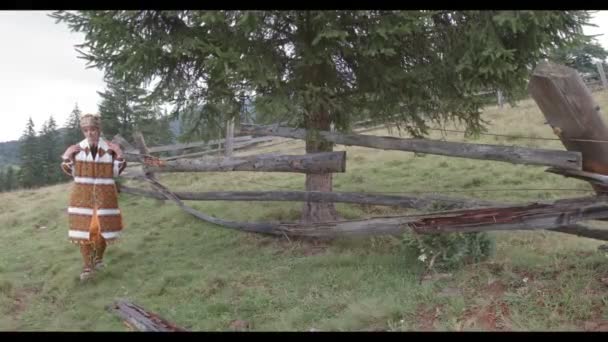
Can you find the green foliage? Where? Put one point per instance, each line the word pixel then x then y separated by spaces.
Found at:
pixel 10 179
pixel 72 134
pixel 9 153
pixel 30 166
pixel 123 109
pixel 40 156
pixel 416 67
pixel 581 55
pixel 50 149
pixel 450 251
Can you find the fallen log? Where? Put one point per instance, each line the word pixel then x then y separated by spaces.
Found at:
pixel 140 319
pixel 422 202
pixel 529 217
pixel 418 203
pixel 325 162
pixel 510 154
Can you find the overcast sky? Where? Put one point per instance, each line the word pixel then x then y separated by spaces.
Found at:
pixel 40 74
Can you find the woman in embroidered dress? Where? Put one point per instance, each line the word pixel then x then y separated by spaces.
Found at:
pixel 94 217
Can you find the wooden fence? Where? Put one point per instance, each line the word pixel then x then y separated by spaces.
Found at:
pixel 560 93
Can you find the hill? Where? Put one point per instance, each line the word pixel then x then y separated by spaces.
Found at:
pixel 204 277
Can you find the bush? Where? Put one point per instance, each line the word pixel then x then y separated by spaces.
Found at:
pixel 449 251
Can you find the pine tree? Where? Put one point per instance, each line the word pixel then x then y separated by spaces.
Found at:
pixel 30 166
pixel 124 109
pixel 581 55
pixel 3 185
pixel 315 68
pixel 50 149
pixel 10 181
pixel 73 134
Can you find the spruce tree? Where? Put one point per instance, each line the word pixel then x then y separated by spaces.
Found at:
pixel 3 185
pixel 10 179
pixel 50 148
pixel 73 134
pixel 29 153
pixel 315 68
pixel 123 109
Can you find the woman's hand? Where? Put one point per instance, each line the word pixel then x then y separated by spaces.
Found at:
pixel 71 151
pixel 116 149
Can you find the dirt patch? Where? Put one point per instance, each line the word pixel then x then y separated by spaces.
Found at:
pixel 21 297
pixel 596 322
pixel 492 317
pixel 495 289
pixel 598 325
pixel 239 325
pixel 427 317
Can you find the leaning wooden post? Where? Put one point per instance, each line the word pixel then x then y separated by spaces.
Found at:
pixel 600 70
pixel 569 108
pixel 143 149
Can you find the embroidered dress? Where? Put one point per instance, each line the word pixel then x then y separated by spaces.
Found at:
pixel 93 208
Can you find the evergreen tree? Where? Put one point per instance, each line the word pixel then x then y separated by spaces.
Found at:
pixel 30 166
pixel 10 180
pixel 581 55
pixel 315 68
pixel 73 134
pixel 50 149
pixel 124 109
pixel 3 185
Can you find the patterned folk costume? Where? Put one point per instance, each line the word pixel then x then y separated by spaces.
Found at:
pixel 93 210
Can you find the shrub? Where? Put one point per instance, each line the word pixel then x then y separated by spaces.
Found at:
pixel 448 251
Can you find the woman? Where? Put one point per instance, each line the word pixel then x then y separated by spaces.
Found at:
pixel 94 217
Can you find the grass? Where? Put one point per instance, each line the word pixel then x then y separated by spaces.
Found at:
pixel 203 277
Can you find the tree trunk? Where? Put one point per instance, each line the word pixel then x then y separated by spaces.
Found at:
pixel 314 211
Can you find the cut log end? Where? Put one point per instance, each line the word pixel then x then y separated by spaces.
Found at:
pixel 553 70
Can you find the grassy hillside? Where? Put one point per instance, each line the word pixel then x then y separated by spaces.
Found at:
pixel 204 277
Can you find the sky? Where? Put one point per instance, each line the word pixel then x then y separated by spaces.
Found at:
pixel 41 75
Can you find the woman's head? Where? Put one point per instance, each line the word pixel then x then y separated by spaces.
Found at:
pixel 90 124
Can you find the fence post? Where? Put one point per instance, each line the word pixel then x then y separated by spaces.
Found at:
pixel 500 98
pixel 569 108
pixel 229 137
pixel 140 142
pixel 600 70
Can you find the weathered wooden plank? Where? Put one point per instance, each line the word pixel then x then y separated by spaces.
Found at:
pixel 176 147
pixel 594 178
pixel 244 145
pixel 583 231
pixel 530 217
pixel 510 154
pixel 422 202
pixel 325 162
pixel 570 109
pixel 140 319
